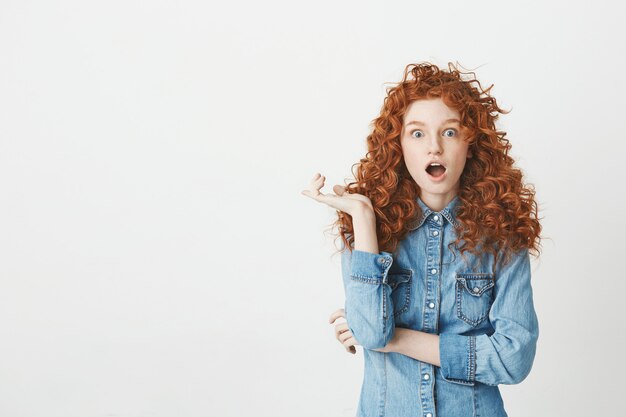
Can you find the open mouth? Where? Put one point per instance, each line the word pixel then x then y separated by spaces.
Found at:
pixel 435 170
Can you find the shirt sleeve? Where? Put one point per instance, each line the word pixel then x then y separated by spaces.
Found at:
pixel 368 306
pixel 507 355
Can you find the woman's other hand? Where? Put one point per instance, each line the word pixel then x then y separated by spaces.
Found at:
pixel 342 332
pixel 350 203
pixel 345 336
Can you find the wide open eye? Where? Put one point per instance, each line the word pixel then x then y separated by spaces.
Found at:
pixel 450 130
pixel 416 131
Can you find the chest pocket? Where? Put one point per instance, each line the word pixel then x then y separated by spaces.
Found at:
pixel 400 282
pixel 474 296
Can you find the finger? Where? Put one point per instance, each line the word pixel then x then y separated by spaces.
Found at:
pixel 318 182
pixel 341 327
pixel 336 314
pixel 339 190
pixel 345 336
pixel 314 194
pixel 315 177
pixel 314 187
pixel 340 330
pixel 350 342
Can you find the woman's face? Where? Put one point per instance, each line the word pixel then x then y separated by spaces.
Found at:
pixel 432 132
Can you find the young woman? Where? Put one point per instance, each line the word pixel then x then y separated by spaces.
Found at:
pixel 437 231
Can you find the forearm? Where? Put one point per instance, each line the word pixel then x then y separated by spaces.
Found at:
pixel 415 344
pixel 364 274
pixel 364 224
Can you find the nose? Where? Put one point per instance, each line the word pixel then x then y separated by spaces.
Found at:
pixel 434 145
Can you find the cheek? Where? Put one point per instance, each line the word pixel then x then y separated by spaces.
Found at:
pixel 461 152
pixel 413 158
pixel 412 162
pixel 462 162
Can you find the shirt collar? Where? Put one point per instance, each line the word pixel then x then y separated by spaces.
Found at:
pixel 449 212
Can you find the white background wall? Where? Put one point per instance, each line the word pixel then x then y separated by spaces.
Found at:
pixel 156 256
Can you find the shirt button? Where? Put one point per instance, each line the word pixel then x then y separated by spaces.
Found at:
pixel 429 415
pixel 431 305
pixel 433 271
pixel 426 377
pixel 435 233
pixel 476 289
pixel 436 217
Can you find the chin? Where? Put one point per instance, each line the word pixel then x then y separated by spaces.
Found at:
pixel 441 188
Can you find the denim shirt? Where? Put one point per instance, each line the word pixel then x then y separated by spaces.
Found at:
pixel 483 313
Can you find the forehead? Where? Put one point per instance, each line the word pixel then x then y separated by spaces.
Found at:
pixel 431 110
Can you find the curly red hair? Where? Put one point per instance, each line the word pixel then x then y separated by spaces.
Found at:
pixel 497 211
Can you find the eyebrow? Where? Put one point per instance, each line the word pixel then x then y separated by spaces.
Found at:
pixel 417 122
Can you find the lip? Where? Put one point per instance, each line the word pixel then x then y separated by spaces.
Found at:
pixel 435 162
pixel 437 179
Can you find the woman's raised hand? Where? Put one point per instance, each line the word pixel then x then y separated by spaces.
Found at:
pixel 349 203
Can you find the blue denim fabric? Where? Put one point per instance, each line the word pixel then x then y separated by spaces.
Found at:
pixel 483 313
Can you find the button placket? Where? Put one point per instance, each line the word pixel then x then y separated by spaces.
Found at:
pixel 427 388
pixel 430 316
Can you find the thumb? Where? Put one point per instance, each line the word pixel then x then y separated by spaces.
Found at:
pixel 339 189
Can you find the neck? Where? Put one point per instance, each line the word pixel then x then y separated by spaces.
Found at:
pixel 437 202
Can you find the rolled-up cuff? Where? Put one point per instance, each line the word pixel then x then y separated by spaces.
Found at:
pixel 370 267
pixel 457 356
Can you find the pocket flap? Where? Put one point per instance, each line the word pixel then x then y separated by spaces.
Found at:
pixel 476 284
pixel 397 277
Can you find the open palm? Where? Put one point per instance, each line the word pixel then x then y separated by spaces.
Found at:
pixel 347 202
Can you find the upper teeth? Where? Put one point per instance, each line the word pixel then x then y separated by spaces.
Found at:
pixel 435 164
